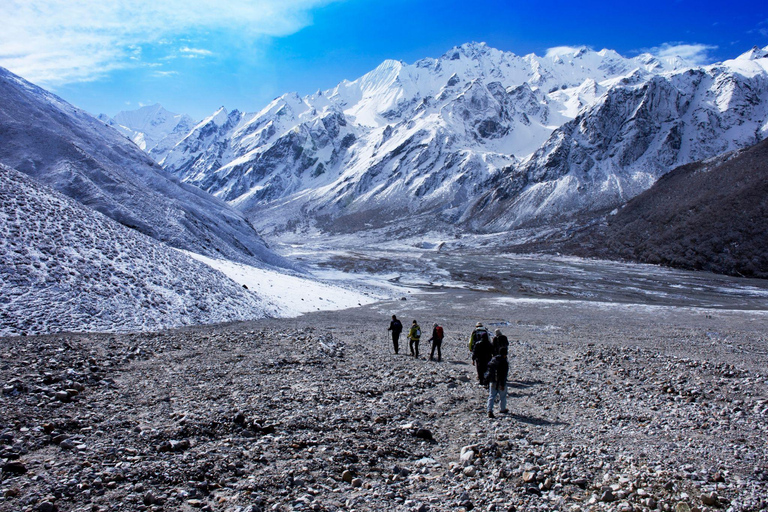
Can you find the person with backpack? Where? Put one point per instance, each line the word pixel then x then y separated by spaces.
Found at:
pixel 396 327
pixel 482 352
pixel 476 335
pixel 499 340
pixel 496 376
pixel 414 335
pixel 437 342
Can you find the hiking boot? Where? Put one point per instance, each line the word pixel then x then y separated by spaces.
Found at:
pixel 504 411
pixel 490 414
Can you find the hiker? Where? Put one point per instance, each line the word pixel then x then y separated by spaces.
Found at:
pixel 437 342
pixel 414 335
pixel 496 376
pixel 499 340
pixel 475 336
pixel 396 327
pixel 482 351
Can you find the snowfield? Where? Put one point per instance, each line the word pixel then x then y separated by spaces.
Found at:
pixel 292 295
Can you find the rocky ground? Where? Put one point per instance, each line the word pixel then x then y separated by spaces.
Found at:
pixel 622 408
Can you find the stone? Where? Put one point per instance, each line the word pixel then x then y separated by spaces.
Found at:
pixel 608 496
pixel 423 433
pixel 710 499
pixel 149 498
pixel 347 476
pixel 580 482
pixel 14 468
pixel 682 507
pixel 47 506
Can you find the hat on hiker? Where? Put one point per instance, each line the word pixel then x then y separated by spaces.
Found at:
pixel 478 324
pixel 497 332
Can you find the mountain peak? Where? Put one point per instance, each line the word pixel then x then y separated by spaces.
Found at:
pixel 558 52
pixel 471 50
pixel 755 53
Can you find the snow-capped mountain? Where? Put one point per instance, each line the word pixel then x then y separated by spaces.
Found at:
pixel 478 136
pixel 152 128
pixel 64 147
pixel 66 267
pixel 639 130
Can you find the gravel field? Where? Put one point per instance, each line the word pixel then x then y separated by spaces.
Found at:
pixel 619 407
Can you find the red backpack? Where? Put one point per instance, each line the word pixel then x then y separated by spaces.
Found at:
pixel 439 332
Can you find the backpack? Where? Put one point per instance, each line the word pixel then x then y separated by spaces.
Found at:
pixel 477 335
pixel 439 332
pixel 418 333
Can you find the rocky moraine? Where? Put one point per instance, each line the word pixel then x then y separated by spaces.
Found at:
pixel 623 408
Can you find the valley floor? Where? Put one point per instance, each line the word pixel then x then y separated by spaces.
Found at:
pixel 612 407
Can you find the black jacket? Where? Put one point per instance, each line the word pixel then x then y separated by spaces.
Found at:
pixel 483 350
pixel 498 370
pixel 395 326
pixel 498 342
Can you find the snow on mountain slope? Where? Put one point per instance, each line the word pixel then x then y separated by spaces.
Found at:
pixel 152 128
pixel 65 267
pixel 291 295
pixel 636 132
pixel 64 147
pixel 400 140
pixel 478 137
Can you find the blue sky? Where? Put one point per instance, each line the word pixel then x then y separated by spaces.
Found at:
pixel 194 56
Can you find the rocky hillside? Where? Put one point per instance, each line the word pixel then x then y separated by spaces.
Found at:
pixel 478 137
pixel 66 267
pixel 709 215
pixel 66 148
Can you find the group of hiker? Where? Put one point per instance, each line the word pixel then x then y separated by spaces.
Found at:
pixel 414 337
pixel 489 356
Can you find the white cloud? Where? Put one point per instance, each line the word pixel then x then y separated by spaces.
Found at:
pixel 195 53
pixel 164 74
pixel 696 54
pixel 52 42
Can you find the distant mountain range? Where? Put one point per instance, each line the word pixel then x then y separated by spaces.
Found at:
pixel 536 150
pixel 478 140
pixel 152 128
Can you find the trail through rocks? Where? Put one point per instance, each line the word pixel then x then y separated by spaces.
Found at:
pixel 620 409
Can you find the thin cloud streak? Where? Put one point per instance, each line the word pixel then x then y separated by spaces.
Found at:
pixel 53 42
